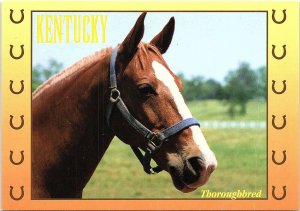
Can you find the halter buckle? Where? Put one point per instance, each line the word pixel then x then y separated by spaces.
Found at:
pixel 152 145
pixel 114 95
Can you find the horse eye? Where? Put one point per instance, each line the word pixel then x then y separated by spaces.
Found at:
pixel 146 89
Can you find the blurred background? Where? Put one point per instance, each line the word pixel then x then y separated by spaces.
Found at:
pixel 221 59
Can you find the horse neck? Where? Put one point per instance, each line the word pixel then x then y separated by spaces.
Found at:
pixel 70 119
pixel 81 98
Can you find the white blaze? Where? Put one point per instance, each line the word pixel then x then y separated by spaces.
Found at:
pixel 164 76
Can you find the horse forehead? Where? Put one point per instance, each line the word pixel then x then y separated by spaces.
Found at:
pixel 141 65
pixel 144 60
pixel 163 73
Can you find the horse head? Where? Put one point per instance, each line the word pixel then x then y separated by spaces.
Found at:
pixel 152 95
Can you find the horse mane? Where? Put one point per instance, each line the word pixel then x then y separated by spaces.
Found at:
pixel 69 71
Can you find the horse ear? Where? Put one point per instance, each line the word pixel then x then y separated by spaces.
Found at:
pixel 163 40
pixel 130 44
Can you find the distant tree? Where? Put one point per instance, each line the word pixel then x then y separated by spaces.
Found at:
pixel 36 76
pixel 241 86
pixel 212 89
pixel 191 88
pixel 262 83
pixel 41 73
pixel 195 88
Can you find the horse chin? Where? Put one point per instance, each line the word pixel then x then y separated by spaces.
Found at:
pixel 183 188
pixel 187 189
pixel 179 185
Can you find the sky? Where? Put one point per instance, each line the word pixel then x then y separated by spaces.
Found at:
pixel 208 44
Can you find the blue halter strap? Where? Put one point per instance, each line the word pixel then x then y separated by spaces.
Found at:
pixel 155 139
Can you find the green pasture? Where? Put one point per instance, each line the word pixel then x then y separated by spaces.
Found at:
pixel 241 155
pixel 217 110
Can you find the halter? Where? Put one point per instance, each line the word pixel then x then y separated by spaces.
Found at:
pixel 155 139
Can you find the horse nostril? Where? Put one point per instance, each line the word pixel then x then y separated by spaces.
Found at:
pixel 195 164
pixel 192 170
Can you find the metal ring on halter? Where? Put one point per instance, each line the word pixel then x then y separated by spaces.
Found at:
pixel 152 145
pixel 115 95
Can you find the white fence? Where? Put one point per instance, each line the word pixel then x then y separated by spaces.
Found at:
pixel 233 124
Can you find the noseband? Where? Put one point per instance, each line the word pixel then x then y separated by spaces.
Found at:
pixel 155 139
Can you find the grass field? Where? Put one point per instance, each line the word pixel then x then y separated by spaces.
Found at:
pixel 241 155
pixel 217 110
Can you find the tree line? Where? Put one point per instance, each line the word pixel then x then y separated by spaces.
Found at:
pixel 240 86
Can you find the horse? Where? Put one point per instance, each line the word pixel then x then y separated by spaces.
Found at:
pixel 129 92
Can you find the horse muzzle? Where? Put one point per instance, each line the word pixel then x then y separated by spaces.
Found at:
pixel 192 173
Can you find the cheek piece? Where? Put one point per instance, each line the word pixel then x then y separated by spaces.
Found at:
pixel 155 139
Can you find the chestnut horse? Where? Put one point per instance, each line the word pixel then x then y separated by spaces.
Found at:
pixel 76 114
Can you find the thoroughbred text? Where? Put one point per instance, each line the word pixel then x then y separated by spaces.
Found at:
pixel 239 194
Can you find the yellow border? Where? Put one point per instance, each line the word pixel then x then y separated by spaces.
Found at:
pixel 287 104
